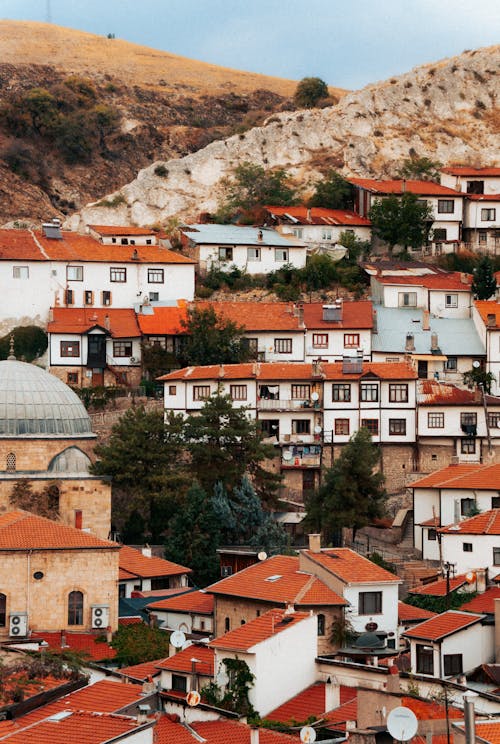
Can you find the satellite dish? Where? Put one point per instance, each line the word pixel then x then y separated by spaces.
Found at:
pixel 287 455
pixel 315 396
pixel 262 555
pixel 307 735
pixel 178 639
pixel 402 723
pixel 193 698
pixel 476 364
pixel 317 429
pixel 222 678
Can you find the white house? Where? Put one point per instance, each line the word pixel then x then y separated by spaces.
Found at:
pixel 279 648
pixel 473 543
pixel 486 317
pixel 319 227
pixel 192 612
pixel 255 250
pixel 141 571
pixel 471 180
pixel 481 230
pixel 189 669
pixel 450 644
pixel 338 329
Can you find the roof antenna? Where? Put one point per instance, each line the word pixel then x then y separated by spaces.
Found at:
pixel 12 356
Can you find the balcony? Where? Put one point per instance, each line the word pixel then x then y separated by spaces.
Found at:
pixel 288 404
pixel 301 456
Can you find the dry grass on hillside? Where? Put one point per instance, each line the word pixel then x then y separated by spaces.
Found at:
pixel 87 54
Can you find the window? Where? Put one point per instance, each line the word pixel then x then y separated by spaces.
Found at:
pixel 172 389
pixel 124 241
pixel 370 603
pixel 122 348
pixel 369 391
pixel 269 392
pixel 320 340
pixel 351 340
pixel 475 187
pixel 75 608
pixel 3 610
pixel 398 393
pixel 227 625
pixel 488 214
pixel 270 428
pixel 439 234
pixel 156 276
pixel 281 254
pixel 201 392
pixel 452 664
pixel 301 426
pixel 494 420
pixel 482 236
pixel 154 296
pixel 74 273
pixel 397 426
pixel 298 232
pixel 69 297
pixel 326 234
pixel 451 364
pixel 341 392
pixel 282 345
pixel 431 534
pixel 88 297
pixel 467 507
pixel 425 659
pixel 179 683
pixel 11 462
pixel 252 344
pixel 446 206
pixel 117 274
pixel 451 300
pixel 495 502
pixel 371 425
pixel 468 419
pixel 407 299
pixel 20 272
pixel 72 378
pixel 467 547
pixel 225 254
pixel 435 420
pixel 342 426
pixel 70 348
pixel 238 392
pixel 496 556
pixel 321 625
pixel 106 297
pixel 253 254
pixel 301 392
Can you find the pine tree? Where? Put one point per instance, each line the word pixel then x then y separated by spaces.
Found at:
pixel 484 284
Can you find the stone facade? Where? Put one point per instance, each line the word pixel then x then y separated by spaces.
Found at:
pixel 126 375
pixel 34 454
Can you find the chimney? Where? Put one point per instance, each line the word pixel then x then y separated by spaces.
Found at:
pixel 480 580
pixel 315 542
pixel 146 551
pixel 299 312
pixel 254 735
pixel 410 342
pixel 260 236
pixel 148 686
pixel 375 321
pixel 308 215
pixel 332 694
pixel 289 609
pixel 491 320
pixel 434 342
pixel 464 277
pixel 222 371
pixel 426 320
pixel 497 630
pixel 107 323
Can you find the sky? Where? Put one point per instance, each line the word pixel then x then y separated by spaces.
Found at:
pixel 346 43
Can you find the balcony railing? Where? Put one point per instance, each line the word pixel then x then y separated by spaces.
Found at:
pixel 287 404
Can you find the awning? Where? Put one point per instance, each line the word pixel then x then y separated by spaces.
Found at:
pixel 430 357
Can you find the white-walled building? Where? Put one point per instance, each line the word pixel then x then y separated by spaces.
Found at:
pixel 338 329
pixel 319 227
pixel 180 674
pixel 473 543
pixel 191 612
pixel 486 317
pixel 141 571
pixel 481 230
pixel 469 180
pixel 255 250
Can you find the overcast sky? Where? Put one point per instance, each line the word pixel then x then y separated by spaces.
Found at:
pixel 348 44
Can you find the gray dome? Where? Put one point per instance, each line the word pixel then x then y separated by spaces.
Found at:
pixel 34 402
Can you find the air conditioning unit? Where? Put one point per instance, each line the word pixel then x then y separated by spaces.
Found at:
pixel 18 624
pixel 100 616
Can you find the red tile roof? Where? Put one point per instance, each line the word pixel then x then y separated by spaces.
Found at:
pixel 483 197
pixel 441 281
pixel 258 630
pixel 439 588
pixel 467 170
pixel 233 732
pixel 291 585
pixel 256 316
pixel 426 710
pixel 164 321
pixel 310 702
pixel 121 230
pixel 121 323
pixel 424 188
pixel 436 393
pixel 350 567
pixel 484 602
pixel 489 732
pixel 169 731
pixel 134 563
pixel 88 644
pixel 83 726
pixel 408 614
pixel 488 307
pixel 320 216
pixel 181 661
pixel 466 476
pixel 141 672
pixel 199 602
pixel 354 315
pixel 382 370
pixel 443 625
pixel 26 245
pixel 20 530
pixel 486 523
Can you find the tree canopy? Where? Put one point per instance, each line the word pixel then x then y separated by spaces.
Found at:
pixel 212 339
pixel 352 493
pixel 419 169
pixel 333 192
pixel 309 91
pixel 484 284
pixel 401 220
pixel 251 187
pixel 138 643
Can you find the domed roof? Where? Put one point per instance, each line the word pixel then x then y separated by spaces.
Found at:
pixel 34 402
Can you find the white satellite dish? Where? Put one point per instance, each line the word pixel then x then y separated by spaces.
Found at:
pixel 307 735
pixel 262 555
pixel 193 698
pixel 315 396
pixel 402 723
pixel 476 364
pixel 178 639
pixel 318 429
pixel 287 455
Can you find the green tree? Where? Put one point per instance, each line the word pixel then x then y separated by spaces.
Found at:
pixel 106 120
pixel 352 493
pixel 356 248
pixel 484 284
pixel 309 91
pixel 252 187
pixel 319 272
pixel 401 220
pixel 212 339
pixel 333 192
pixel 30 342
pixel 478 377
pixel 419 169
pixel 138 643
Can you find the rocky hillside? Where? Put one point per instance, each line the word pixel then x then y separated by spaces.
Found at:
pixel 166 106
pixel 447 111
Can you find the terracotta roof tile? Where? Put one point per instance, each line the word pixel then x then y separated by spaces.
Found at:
pixel 484 602
pixel 407 613
pixel 168 731
pixel 431 392
pixel 486 308
pixel 84 726
pixel 483 197
pixel 426 710
pixel 320 216
pixel 448 476
pixel 258 630
pixel 439 588
pixel 443 625
pixel 233 732
pixel 199 602
pixel 382 370
pixel 489 731
pixel 486 523
pixel 441 281
pixel 134 562
pixel 310 702
pixel 87 644
pixel 256 316
pixel 121 323
pixel 121 230
pixel 258 582
pixel 140 672
pixel 351 567
pixel 181 661
pixel 164 321
pixel 467 170
pixel 354 315
pixel 130 620
pixel 20 530
pixel 425 188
